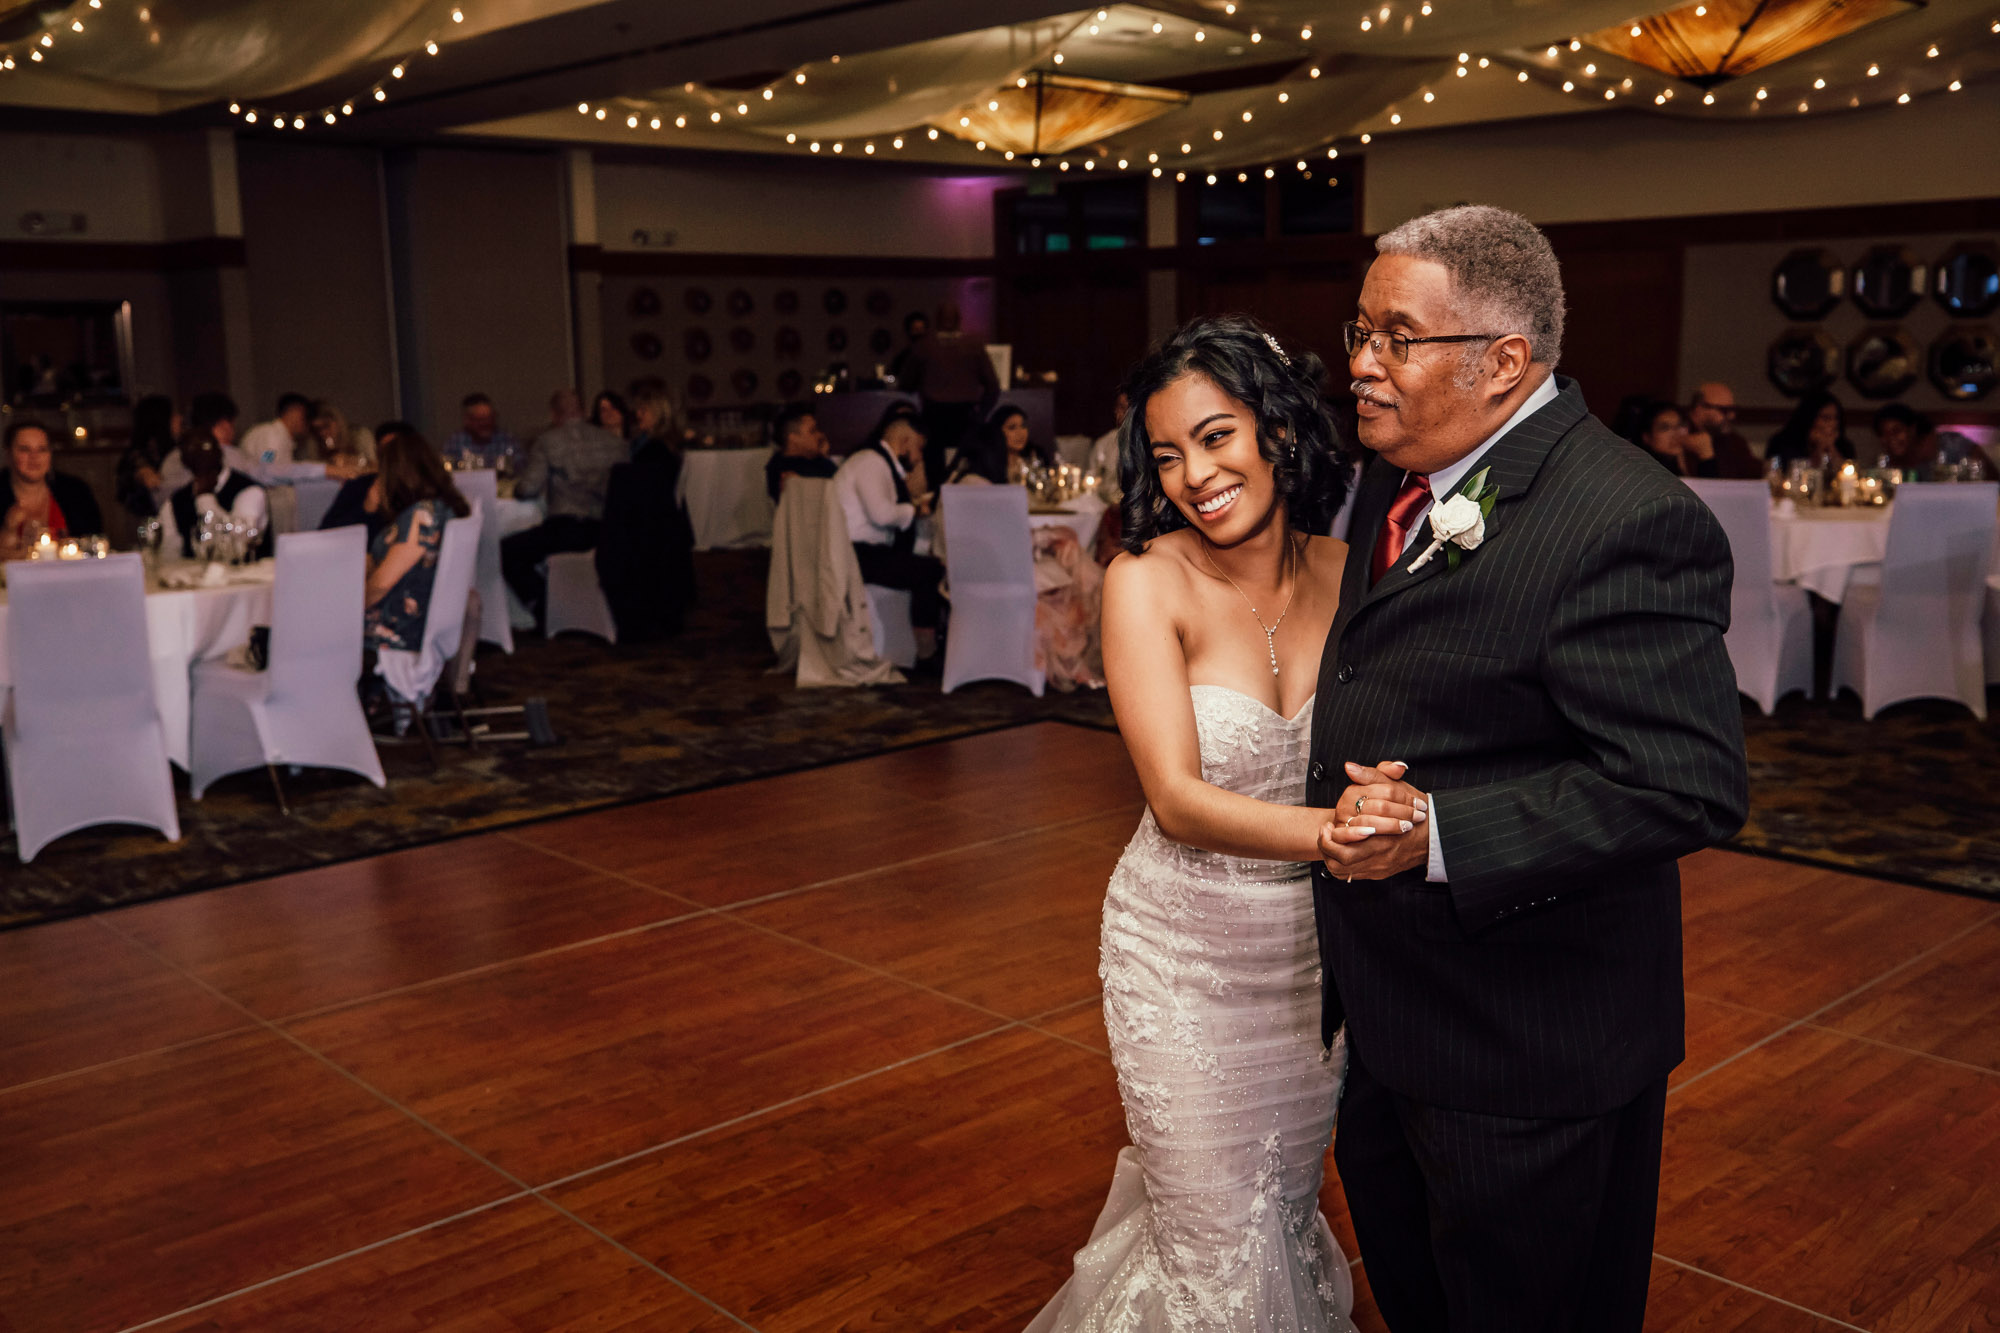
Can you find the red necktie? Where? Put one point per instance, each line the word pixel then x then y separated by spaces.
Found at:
pixel 1409 503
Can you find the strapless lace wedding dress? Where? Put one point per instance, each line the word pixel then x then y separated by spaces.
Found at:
pixel 1212 1003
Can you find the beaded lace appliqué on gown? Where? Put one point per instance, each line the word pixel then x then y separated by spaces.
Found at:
pixel 1211 1001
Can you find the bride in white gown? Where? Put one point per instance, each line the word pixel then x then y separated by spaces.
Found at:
pixel 1213 630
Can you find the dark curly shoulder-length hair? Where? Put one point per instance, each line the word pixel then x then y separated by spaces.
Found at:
pixel 1296 433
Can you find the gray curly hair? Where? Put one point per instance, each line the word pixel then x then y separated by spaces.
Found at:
pixel 1503 272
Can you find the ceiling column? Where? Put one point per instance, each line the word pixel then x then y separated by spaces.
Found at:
pixel 586 283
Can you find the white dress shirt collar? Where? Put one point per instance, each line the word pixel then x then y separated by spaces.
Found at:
pixel 1446 478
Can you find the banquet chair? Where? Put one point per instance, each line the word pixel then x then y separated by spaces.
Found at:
pixel 81 725
pixel 889 618
pixel 1770 638
pixel 1993 629
pixel 414 676
pixel 1910 626
pixel 992 566
pixel 301 709
pixel 575 599
pixel 313 496
pixel 816 609
pixel 481 488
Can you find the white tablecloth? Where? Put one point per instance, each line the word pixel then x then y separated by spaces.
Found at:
pixel 727 504
pixel 1816 547
pixel 1086 512
pixel 185 627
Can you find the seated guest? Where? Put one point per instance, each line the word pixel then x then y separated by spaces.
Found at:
pixel 608 412
pixel 1969 462
pixel 1103 460
pixel 285 438
pixel 1663 433
pixel 1816 433
pixel 348 451
pixel 156 429
pixel 480 440
pixel 874 491
pixel 38 498
pixel 645 553
pixel 1002 453
pixel 414 493
pixel 803 449
pixel 352 503
pixel 1711 424
pixel 211 416
pixel 570 467
pixel 1906 438
pixel 214 488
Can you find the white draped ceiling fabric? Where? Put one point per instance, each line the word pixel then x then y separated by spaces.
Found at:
pixel 1238 85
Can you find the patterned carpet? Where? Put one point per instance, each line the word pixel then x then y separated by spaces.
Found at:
pixel 1910 796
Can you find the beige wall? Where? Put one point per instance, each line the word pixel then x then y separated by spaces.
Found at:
pixel 318 277
pixel 1640 165
pixel 113 180
pixel 794 208
pixel 481 272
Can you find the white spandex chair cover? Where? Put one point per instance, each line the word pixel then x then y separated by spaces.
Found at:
pixel 81 726
pixel 481 488
pixel 302 708
pixel 412 676
pixel 889 615
pixel 1770 623
pixel 1910 626
pixel 1993 629
pixel 992 565
pixel 575 599
pixel 312 497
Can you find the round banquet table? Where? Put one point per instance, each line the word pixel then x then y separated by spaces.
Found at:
pixel 185 626
pixel 727 504
pixel 1817 547
pixel 1081 516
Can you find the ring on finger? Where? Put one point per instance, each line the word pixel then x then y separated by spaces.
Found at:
pixel 1357 805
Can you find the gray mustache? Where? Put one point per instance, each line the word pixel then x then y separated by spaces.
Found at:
pixel 1360 389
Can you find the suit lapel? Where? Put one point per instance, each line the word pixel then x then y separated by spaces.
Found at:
pixel 1510 467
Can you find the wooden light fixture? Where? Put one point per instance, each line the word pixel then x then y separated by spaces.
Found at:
pixel 1711 43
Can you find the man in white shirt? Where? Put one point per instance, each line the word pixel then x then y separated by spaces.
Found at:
pixel 1103 461
pixel 874 491
pixel 216 488
pixel 279 440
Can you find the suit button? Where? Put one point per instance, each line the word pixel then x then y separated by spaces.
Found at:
pixel 1346 673
pixel 1318 771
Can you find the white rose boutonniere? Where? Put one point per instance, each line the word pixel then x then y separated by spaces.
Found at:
pixel 1460 522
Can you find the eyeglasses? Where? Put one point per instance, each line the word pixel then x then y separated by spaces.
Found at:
pixel 1727 411
pixel 1395 347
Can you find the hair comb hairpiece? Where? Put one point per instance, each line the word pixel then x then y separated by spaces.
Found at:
pixel 1278 351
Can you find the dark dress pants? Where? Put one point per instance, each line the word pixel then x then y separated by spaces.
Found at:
pixel 1473 1223
pixel 947 427
pixel 522 554
pixel 919 575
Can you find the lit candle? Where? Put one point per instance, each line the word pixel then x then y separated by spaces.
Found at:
pixel 1847 483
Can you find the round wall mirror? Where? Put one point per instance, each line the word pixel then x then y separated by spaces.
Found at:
pixel 1883 362
pixel 1808 284
pixel 1965 362
pixel 1889 281
pixel 1967 280
pixel 1801 360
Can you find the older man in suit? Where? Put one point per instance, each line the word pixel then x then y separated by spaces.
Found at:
pixel 1555 680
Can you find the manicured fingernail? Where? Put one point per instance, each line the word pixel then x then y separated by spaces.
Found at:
pixel 1365 831
pixel 1407 825
pixel 1353 767
pixel 1422 804
pixel 1399 763
pixel 1421 814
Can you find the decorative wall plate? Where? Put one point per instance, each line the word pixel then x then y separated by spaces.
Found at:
pixel 1966 281
pixel 740 303
pixel 696 346
pixel 789 384
pixel 1808 284
pixel 1800 360
pixel 744 381
pixel 880 341
pixel 836 339
pixel 879 303
pixel 700 388
pixel 789 343
pixel 1883 362
pixel 1888 282
pixel 1965 362
pixel 834 302
pixel 786 302
pixel 742 340
pixel 697 300
pixel 646 346
pixel 645 303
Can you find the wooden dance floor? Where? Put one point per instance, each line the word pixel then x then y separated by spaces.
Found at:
pixel 822 1052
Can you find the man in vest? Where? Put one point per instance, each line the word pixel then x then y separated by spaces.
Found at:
pixel 874 489
pixel 216 488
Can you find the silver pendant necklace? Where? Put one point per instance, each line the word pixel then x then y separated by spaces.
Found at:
pixel 1270 630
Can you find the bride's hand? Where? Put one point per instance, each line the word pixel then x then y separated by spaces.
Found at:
pixel 1378 798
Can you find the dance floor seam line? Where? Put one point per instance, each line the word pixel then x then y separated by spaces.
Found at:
pixel 1910 1051
pixel 1760 1294
pixel 1806 1020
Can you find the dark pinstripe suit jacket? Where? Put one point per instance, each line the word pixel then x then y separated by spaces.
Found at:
pixel 1565 696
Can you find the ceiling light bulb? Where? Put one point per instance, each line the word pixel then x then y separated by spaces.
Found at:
pixel 347 108
pixel 680 122
pixel 1635 30
pixel 250 117
pixel 1484 62
pixel 1626 85
pixel 1211 178
pixel 1802 106
pixel 1103 14
pixel 1610 94
pixel 814 145
pixel 1819 83
pixel 1461 71
pixel 1218 135
pixel 76 25
pixel 583 108
pixel 1366 137
pixel 1246 117
pixel 1255 37
pixel 1426 9
pixel 896 142
pixel 1158 26
pixel 1156 173
pixel 868 148
pixel 981 145
pixel 1932 53
pixel 397 72
pixel 1242 178
pixel 791 138
pixel 1284 98
pixel 933 133
pixel 1396 118
pixel 1122 164
pixel 631 122
pixel 1058 56
pixel 1568 87
pixel 1093 30
pixel 1180 175
pixel 1873 70
pixel 1590 69
pixel 1064 166
pixel 1575 45
pixel 1366 25
pixel 48 40
pixel 431 48
pixel 298 122
pixel 1763 93
pixel 965 122
pixel 1090 164
pixel 799 77
pixel 1020 83
pixel 1953 86
pixel 382 95
pixel 1701 11
pixel 458 16
pixel 1430 96
pixel 1187 148
pixel 1522 77
pixel 1464 56
pixel 1305 34
pixel 1229 8
pixel 1269 172
pixel 1152 157
pixel 234 109
pixel 992 106
pixel 742 109
pixel 332 119
pixel 1034 161
pixel 1552 52
pixel 838 146
pixel 714 117
pixel 767 94
pixel 1301 164
pixel 1708 99
pixel 1313 72
pixel 1904 100
pixel 1335 152
pixel 1200 36
pixel 1659 99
